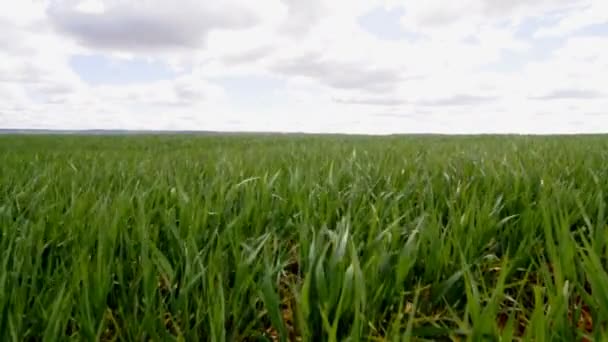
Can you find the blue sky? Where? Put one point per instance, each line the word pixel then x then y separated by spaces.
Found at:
pixel 473 66
pixel 385 23
pixel 101 69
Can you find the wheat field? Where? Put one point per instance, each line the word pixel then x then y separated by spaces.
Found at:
pixel 303 238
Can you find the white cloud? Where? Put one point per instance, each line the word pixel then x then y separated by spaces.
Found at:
pixel 143 25
pixel 590 13
pixel 472 66
pixel 458 100
pixel 302 15
pixel 457 19
pixel 563 94
pixel 340 74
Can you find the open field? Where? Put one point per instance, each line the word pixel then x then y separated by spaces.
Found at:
pixel 254 237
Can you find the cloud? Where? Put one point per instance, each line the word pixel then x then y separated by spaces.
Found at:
pixel 457 20
pixel 589 13
pixel 185 91
pixel 372 101
pixel 11 38
pixel 340 74
pixel 301 15
pixel 570 94
pixel 248 56
pixel 24 72
pixel 499 8
pixel 317 66
pixel 148 25
pixel 40 78
pixel 459 100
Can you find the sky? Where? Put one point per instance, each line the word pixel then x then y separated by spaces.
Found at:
pixel 329 66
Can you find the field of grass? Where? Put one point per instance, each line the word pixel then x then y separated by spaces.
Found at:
pixel 311 238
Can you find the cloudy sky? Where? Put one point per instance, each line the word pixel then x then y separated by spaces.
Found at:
pixel 356 66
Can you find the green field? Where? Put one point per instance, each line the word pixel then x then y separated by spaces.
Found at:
pixel 311 238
